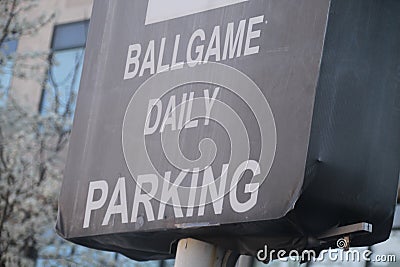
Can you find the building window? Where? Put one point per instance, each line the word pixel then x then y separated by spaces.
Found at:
pixel 7 59
pixel 66 61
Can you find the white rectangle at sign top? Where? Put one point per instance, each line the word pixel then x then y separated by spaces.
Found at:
pixel 162 10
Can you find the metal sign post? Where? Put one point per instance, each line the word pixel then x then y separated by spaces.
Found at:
pixel 195 253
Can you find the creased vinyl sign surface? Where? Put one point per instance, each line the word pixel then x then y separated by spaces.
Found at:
pixel 191 115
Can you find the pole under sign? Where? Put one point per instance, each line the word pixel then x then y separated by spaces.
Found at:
pixel 242 123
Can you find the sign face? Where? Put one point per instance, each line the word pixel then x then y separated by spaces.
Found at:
pixel 191 114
